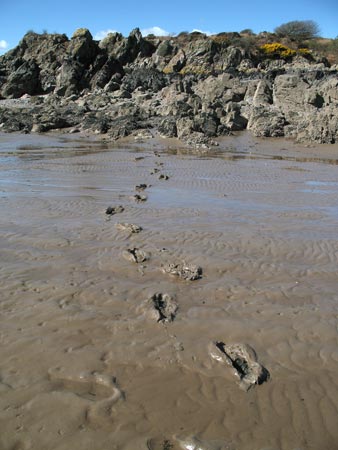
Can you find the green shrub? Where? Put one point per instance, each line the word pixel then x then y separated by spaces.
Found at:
pixel 298 30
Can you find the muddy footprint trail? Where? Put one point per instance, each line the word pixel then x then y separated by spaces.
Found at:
pixel 223 337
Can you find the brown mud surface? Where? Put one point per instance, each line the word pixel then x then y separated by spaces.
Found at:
pixel 84 365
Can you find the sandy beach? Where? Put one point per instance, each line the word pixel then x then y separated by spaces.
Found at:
pixel 91 359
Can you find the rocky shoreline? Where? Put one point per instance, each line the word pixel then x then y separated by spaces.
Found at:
pixel 194 88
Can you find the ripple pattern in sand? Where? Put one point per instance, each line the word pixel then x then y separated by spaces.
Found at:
pixel 83 367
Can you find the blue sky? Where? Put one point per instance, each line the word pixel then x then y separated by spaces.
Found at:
pixel 213 16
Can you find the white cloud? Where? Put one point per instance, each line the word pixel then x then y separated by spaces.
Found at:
pixel 208 33
pixel 157 31
pixel 3 45
pixel 102 34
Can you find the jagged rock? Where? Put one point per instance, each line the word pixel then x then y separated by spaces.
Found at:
pixel 232 58
pixel 150 79
pixel 263 94
pixel 185 126
pixel 81 52
pixel 183 270
pixel 82 48
pixel 289 92
pixel 57 116
pixel 50 122
pixel 319 127
pixel 233 120
pixel 206 124
pixel 112 86
pixel 192 86
pixel 14 120
pixel 268 122
pixel 127 50
pixel 198 55
pixel 45 50
pixel 164 49
pixel 110 42
pixel 130 227
pixel 104 75
pixel 315 99
pixel 176 63
pixel 328 88
pixel 70 78
pixel 24 80
pixel 135 255
pixel 243 359
pixel 167 127
pixel 246 65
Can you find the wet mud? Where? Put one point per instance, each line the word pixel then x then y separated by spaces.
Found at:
pixel 101 352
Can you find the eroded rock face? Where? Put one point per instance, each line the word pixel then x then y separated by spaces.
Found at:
pixel 148 79
pixel 267 122
pixel 82 48
pixel 193 87
pixel 108 75
pixel 24 80
pixel 243 360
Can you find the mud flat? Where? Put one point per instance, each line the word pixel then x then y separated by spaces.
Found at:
pixel 100 353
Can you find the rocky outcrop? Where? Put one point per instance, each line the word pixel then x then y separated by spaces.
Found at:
pixel 194 87
pixel 23 80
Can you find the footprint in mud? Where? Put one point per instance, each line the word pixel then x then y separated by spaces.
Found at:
pixel 161 443
pixel 111 210
pixel 163 177
pixel 138 198
pixel 195 443
pixel 135 255
pixel 22 445
pixel 141 187
pixel 129 227
pixel 243 359
pixel 189 443
pixel 100 390
pixel 160 307
pixel 183 270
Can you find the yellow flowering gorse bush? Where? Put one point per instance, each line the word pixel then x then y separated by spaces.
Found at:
pixel 276 50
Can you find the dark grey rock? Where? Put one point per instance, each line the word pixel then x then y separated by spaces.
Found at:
pixel 192 86
pixel 167 127
pixel 24 80
pixel 150 79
